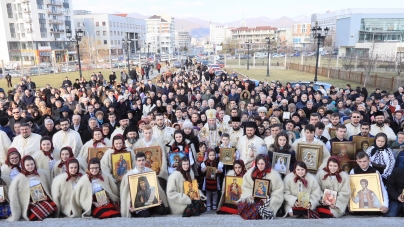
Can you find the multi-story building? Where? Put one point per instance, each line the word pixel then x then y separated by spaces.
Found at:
pixel 34 31
pixel 219 34
pixel 182 40
pixel 105 32
pixel 160 33
pixel 301 35
pixel 357 31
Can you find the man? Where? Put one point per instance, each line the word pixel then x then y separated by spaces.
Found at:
pixel 381 127
pixel 353 128
pixel 124 122
pixel 314 118
pixel 235 132
pixel 28 98
pixel 210 133
pixel 16 118
pixel 70 102
pixel 50 129
pixel 275 129
pixel 77 126
pixel 66 82
pixel 30 85
pixel 250 110
pixel 162 132
pixel 131 137
pixel 397 122
pixel 319 132
pixel 5 143
pixel 150 87
pixel 395 185
pixel 178 115
pixel 365 128
pixel 249 144
pixel 340 133
pixel 112 122
pixel 67 137
pixel 27 142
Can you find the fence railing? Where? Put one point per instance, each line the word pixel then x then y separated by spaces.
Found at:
pixel 374 80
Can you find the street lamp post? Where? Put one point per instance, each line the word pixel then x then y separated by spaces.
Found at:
pixel 126 44
pixel 248 43
pixel 317 34
pixel 268 41
pixel 148 50
pixel 77 38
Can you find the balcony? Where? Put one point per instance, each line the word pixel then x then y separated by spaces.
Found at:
pixel 54 12
pixel 25 1
pixel 29 30
pixel 57 30
pixel 52 21
pixel 27 20
pixel 53 2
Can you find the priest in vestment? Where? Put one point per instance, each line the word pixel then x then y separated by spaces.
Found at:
pixel 131 137
pixel 67 137
pixel 27 143
pixel 4 146
pixel 249 144
pixel 235 132
pixel 162 132
pixel 123 122
pixel 211 131
pixel 381 127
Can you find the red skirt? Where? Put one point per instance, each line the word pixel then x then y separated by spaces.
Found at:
pixel 41 210
pixel 106 211
pixel 249 211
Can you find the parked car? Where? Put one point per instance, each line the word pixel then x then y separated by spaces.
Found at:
pixel 316 85
pixel 177 64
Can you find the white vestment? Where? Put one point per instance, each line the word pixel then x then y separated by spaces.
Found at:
pixel 69 138
pixel 28 145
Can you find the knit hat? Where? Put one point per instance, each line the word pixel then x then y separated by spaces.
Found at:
pixel 187 124
pixel 262 150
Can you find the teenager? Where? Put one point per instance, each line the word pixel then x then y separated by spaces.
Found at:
pixel 12 167
pixel 60 166
pixel 281 145
pixel 381 156
pixel 97 141
pixel 47 156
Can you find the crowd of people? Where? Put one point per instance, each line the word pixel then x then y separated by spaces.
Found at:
pixel 191 115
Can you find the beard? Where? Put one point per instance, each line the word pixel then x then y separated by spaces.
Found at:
pixel 132 140
pixel 66 129
pixel 123 127
pixel 236 128
pixel 212 127
pixel 250 137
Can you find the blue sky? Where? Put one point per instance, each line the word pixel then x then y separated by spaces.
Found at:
pixel 223 11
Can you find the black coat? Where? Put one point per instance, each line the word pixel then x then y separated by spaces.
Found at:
pixel 395 183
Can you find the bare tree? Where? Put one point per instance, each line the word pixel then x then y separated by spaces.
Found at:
pixel 368 61
pixel 399 62
pixel 348 62
pixel 328 56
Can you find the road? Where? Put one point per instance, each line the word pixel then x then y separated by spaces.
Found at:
pixel 212 220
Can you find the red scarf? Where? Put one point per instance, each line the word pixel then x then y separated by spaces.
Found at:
pixel 302 179
pixel 176 149
pixel 123 149
pixel 95 142
pixel 243 169
pixel 258 174
pixel 71 155
pixel 336 174
pixel 49 154
pixel 90 176
pixel 9 152
pixel 78 174
pixel 26 172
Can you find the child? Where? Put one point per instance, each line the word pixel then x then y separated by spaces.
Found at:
pixel 362 158
pixel 225 139
pixel 212 186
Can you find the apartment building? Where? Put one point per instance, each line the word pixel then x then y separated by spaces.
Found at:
pixel 160 33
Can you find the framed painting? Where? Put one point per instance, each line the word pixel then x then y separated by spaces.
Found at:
pixel 345 151
pixel 286 115
pixel 2 193
pixel 362 143
pixel 210 172
pixel 37 193
pixel 227 155
pixel 153 157
pixel 347 166
pixel 174 158
pixel 96 152
pixel 121 164
pixel 261 188
pixel 144 191
pixel 329 197
pixel 332 132
pixel 303 198
pixel 191 189
pixel 101 198
pixel 281 162
pixel 232 190
pixel 310 154
pixel 365 186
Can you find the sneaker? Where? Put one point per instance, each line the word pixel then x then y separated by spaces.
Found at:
pixel 208 209
pixel 214 207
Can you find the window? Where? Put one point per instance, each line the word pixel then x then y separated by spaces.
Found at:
pixel 103 23
pixel 97 24
pixel 40 6
pixel 105 42
pixel 12 30
pixel 44 35
pixel 23 35
pixel 41 15
pixel 104 33
pixel 98 33
pixel 9 10
pixel 67 18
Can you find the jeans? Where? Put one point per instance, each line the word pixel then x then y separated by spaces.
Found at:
pixel 395 208
pixel 211 197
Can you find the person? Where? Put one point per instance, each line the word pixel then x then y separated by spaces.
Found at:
pixel 12 166
pixel 126 205
pixel 162 132
pixel 380 127
pixel 364 146
pixel 235 131
pixel 97 141
pixel 5 143
pixel 180 144
pixel 281 145
pixel 340 135
pixel 21 201
pixel 211 184
pixel 343 156
pixel 5 210
pixel 249 143
pixel 67 137
pixel 46 158
pixel 210 133
pixel 64 184
pixel 27 143
pixel 234 190
pixel 365 197
pixel 179 202
pixel 364 167
pixel 333 178
pixel 248 206
pixel 123 122
pixel 300 181
pixel 381 156
pixel 280 165
pixel 131 136
pixel 60 166
pixel 84 203
pixel 395 185
pixel 8 79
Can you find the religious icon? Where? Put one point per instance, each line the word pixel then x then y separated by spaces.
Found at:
pixel 210 172
pixel 303 199
pixel 233 189
pixel 200 156
pixel 281 162
pixel 191 189
pixel 312 155
pixel 144 191
pixel 153 157
pixel 369 197
pixel 96 152
pixel 362 143
pixel 345 151
pixel 329 197
pixel 286 115
pixel 174 158
pixel 101 198
pixel 121 164
pixel 347 166
pixel 37 193
pixel 261 188
pixel 331 132
pixel 227 155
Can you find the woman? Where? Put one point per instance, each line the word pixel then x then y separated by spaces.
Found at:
pixel 97 141
pixel 63 185
pixel 84 202
pixel 248 207
pixel 60 166
pixel 187 128
pixel 333 178
pixel 43 109
pixel 148 106
pixel 47 156
pixel 235 190
pixel 180 144
pixel 300 181
pixel 12 167
pixel 381 156
pixel 22 203
pixel 282 145
pixel 179 202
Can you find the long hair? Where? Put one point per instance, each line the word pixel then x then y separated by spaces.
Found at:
pixel 275 146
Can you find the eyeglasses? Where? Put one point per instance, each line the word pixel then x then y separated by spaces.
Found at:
pixel 16 112
pixel 355 117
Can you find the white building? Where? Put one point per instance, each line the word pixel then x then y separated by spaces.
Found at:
pixel 106 32
pixel 34 31
pixel 160 34
pixel 182 39
pixel 301 35
pixel 219 34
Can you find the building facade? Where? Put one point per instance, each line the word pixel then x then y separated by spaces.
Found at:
pixel 182 40
pixel 301 35
pixel 160 34
pixel 34 31
pixel 219 34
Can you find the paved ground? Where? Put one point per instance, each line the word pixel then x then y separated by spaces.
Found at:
pixel 212 220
